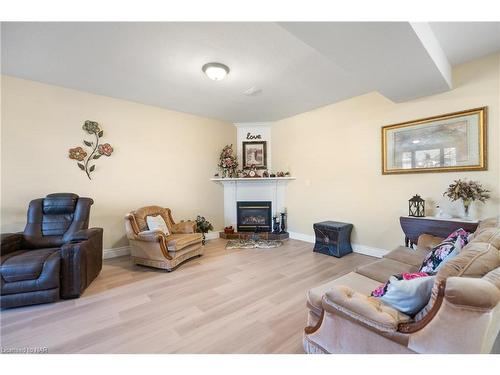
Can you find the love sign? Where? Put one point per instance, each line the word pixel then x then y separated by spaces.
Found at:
pixel 251 136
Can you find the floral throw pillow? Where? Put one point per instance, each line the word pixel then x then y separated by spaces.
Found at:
pixel 454 242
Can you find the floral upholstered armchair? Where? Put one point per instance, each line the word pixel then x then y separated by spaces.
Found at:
pixel 158 248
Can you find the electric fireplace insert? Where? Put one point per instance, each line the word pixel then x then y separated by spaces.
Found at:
pixel 254 216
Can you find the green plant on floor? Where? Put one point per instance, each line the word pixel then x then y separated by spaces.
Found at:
pixel 203 226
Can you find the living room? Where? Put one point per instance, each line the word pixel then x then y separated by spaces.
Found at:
pixel 250 187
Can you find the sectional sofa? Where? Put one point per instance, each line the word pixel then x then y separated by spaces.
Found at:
pixel 462 315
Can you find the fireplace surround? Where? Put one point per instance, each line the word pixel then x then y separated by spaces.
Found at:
pixel 254 216
pixel 263 189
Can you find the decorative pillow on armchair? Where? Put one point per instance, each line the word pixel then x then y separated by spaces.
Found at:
pixel 157 222
pixel 454 242
pixel 406 292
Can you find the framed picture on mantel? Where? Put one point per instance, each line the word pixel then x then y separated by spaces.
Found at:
pixel 254 154
pixel 445 143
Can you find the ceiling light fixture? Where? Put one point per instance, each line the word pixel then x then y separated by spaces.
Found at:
pixel 215 71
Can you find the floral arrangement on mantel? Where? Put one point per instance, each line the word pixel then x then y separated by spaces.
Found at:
pixel 96 150
pixel 228 164
pixel 468 192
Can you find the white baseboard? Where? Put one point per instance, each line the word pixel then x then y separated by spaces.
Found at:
pixel 369 250
pixel 301 237
pixel 357 248
pixel 115 252
pixel 212 235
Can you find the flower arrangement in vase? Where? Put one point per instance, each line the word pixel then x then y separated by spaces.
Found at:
pixel 228 163
pixel 468 192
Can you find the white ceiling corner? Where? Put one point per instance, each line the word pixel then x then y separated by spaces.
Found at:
pixel 465 41
pixel 434 49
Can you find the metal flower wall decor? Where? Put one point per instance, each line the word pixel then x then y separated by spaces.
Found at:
pixel 86 160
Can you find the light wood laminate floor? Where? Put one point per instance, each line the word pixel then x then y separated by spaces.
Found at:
pixel 227 301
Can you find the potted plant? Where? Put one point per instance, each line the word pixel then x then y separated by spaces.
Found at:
pixel 203 226
pixel 468 192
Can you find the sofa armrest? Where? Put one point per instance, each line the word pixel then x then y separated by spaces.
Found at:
pixel 133 222
pixel 84 234
pixel 150 235
pixel 184 227
pixel 428 241
pixel 155 236
pixel 81 262
pixel 471 292
pixel 367 310
pixel 460 321
pixel 11 242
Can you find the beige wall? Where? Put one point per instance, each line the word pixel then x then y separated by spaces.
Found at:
pixel 161 157
pixel 165 157
pixel 335 153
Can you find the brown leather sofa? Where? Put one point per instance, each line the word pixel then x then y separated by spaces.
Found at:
pixel 56 256
pixel 462 316
pixel 154 248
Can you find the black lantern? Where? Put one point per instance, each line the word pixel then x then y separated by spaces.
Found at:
pixel 416 206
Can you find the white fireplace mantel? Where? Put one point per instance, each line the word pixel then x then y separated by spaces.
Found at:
pixel 253 179
pixel 271 189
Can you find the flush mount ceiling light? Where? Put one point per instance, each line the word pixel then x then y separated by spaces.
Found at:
pixel 215 70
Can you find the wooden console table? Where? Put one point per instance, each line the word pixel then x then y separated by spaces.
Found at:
pixel 413 227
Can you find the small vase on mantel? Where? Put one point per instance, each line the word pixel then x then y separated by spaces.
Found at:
pixel 467 203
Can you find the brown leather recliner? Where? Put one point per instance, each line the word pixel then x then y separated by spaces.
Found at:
pixel 156 249
pixel 56 256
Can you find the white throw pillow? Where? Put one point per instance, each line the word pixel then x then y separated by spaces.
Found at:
pixel 157 222
pixel 408 296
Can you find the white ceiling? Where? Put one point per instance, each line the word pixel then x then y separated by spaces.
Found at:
pixel 463 41
pixel 298 66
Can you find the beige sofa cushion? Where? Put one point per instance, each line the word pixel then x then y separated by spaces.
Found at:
pixel 354 280
pixel 368 310
pixel 185 250
pixel 491 222
pixel 176 242
pixel 382 269
pixel 490 235
pixel 184 227
pixel 428 241
pixel 408 256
